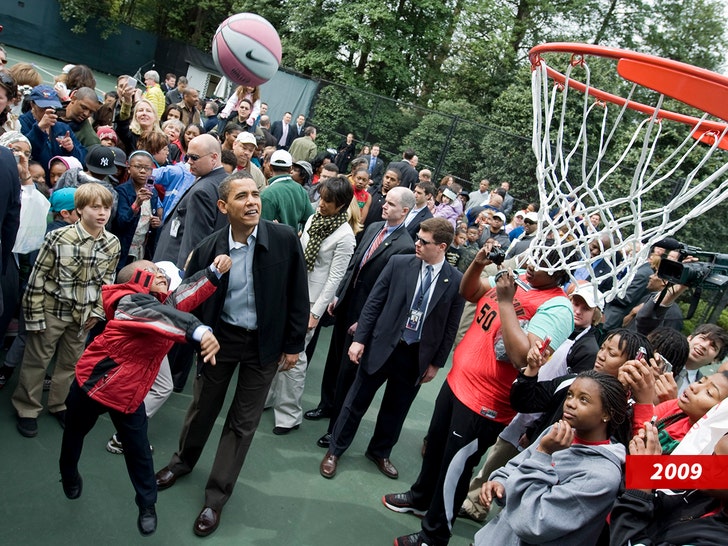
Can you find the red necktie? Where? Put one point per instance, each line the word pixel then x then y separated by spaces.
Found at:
pixel 374 246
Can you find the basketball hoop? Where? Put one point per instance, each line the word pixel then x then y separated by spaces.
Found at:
pixel 587 143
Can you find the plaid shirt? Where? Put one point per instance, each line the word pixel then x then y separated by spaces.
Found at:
pixel 67 276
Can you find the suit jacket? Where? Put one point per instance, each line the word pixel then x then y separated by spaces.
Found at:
pixel 9 206
pixel 408 174
pixel 358 283
pixel 196 216
pixel 276 129
pixel 414 226
pixel 279 278
pixel 383 318
pixel 378 171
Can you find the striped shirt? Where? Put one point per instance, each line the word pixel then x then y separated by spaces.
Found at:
pixel 67 276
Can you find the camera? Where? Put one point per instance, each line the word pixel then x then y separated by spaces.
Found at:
pixel 496 255
pixel 713 272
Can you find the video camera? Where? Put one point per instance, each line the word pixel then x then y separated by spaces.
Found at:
pixel 712 272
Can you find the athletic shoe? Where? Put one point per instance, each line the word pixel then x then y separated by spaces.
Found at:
pixel 409 540
pixel 402 502
pixel 114 446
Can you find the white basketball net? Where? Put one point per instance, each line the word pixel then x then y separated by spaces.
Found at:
pixel 574 177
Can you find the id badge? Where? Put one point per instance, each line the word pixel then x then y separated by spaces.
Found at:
pixel 413 321
pixel 174 227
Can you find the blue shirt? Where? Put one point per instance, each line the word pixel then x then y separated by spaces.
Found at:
pixel 239 308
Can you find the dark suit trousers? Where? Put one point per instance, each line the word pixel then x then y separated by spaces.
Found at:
pixel 337 352
pixel 401 373
pixel 238 350
pixel 82 413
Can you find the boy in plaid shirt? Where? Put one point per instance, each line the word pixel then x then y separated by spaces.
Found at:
pixel 62 302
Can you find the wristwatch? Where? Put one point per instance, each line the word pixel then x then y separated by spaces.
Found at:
pixel 315 316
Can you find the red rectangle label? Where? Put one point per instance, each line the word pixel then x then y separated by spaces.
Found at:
pixel 676 472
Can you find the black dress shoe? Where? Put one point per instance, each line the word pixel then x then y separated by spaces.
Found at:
pixel 206 522
pixel 384 465
pixel 324 441
pixel 147 520
pixel 72 486
pixel 282 431
pixel 316 414
pixel 166 478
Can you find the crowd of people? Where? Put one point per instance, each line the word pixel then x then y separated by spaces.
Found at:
pixel 148 236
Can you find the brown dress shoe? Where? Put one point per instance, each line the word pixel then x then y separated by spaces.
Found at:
pixel 328 465
pixel 206 522
pixel 384 465
pixel 165 478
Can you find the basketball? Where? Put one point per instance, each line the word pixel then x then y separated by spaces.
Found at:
pixel 247 49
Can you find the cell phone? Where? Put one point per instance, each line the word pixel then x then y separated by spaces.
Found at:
pixel 131 82
pixel 641 352
pixel 545 345
pixel 60 111
pixel 665 365
pixel 149 186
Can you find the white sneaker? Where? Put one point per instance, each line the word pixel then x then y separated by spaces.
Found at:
pixel 114 446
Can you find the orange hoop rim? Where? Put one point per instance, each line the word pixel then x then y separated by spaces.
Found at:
pixel 696 87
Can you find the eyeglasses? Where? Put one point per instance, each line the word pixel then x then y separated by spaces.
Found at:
pixel 154 270
pixel 423 242
pixel 142 168
pixel 195 157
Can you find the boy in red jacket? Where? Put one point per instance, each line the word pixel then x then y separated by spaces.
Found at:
pixel 118 368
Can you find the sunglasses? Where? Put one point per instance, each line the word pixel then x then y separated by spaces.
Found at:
pixel 195 157
pixel 529 222
pixel 423 242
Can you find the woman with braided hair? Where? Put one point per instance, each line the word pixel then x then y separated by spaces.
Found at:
pixel 328 243
pixel 563 486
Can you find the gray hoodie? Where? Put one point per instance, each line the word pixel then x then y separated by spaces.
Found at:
pixel 561 499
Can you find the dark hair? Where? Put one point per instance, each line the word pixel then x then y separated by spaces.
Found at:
pixel 428 187
pixel 338 190
pixel 615 403
pixel 441 230
pixel 80 76
pixel 7 82
pixel 396 173
pixel 227 157
pixel 183 137
pixel 165 115
pixel 308 131
pixel 223 190
pixel 246 100
pixel 717 335
pixel 230 127
pixel 170 75
pixel 408 154
pixel 671 344
pixel 630 342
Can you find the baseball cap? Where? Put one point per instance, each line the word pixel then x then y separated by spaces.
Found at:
pixel 280 158
pixel 587 293
pixel 247 138
pixel 62 199
pixel 447 192
pixel 306 166
pixel 45 97
pixel 119 156
pixel 521 213
pixel 501 216
pixel 531 217
pixel 100 160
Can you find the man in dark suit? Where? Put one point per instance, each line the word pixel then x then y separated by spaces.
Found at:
pixel 375 165
pixel 423 191
pixel 259 314
pixel 196 215
pixel 368 261
pixel 283 132
pixel 404 335
pixel 9 208
pixel 408 175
